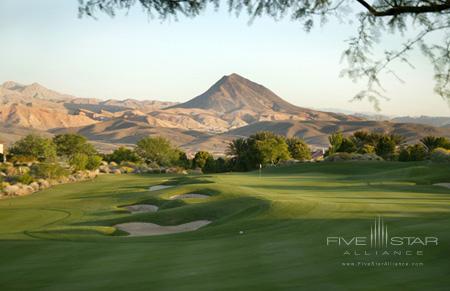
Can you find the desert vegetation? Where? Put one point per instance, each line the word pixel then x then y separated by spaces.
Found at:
pixel 364 145
pixel 36 162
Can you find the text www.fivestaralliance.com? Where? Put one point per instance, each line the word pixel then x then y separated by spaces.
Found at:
pixel 382 264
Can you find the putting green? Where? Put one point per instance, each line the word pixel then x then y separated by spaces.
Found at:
pixel 268 232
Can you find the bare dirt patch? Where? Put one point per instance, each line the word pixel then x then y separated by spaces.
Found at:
pixel 159 187
pixel 140 208
pixel 146 228
pixel 190 195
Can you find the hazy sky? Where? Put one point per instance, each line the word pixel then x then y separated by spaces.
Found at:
pixel 136 57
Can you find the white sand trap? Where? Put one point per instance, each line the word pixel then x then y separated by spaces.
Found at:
pixel 159 187
pixel 140 208
pixel 446 185
pixel 146 228
pixel 190 195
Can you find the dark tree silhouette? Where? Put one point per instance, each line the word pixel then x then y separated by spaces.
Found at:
pixel 375 19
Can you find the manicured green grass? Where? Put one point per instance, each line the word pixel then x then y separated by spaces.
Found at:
pixel 63 238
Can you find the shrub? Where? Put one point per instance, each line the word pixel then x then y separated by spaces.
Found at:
pixel 337 157
pixel 48 171
pixel 93 162
pixel 125 169
pixel 367 149
pixel 24 179
pixel 21 159
pixel 79 161
pixel 440 155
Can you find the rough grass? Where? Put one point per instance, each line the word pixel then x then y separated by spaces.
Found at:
pixel 63 238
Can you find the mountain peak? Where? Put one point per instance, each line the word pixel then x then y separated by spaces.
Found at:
pixel 12 85
pixel 234 92
pixel 233 77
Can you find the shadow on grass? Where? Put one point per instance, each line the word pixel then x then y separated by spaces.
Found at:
pixel 186 180
pixel 368 188
pixel 219 211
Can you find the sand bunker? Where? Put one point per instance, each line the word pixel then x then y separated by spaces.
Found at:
pixel 190 195
pixel 159 187
pixel 140 208
pixel 446 185
pixel 146 228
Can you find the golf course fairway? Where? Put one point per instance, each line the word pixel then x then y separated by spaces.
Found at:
pixel 268 231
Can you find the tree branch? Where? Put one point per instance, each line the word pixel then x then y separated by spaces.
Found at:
pixel 396 10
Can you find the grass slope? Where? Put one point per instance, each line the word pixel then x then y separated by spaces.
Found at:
pixel 62 238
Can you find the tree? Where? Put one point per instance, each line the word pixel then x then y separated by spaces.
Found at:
pixel 201 158
pixel 375 20
pixel 261 148
pixel 360 138
pixel 210 165
pixel 269 148
pixel 123 154
pixel 215 166
pixel 417 152
pixel 156 150
pixel 385 147
pixel 404 155
pixel 69 144
pixel 298 148
pixel 433 142
pixel 335 141
pixel 182 159
pixel 241 154
pixel 347 146
pixel 222 165
pixel 35 147
pixel 411 153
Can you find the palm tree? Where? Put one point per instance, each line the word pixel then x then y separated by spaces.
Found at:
pixel 237 147
pixel 433 142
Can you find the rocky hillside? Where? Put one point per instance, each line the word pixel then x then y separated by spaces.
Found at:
pixel 36 107
pixel 234 106
pixel 234 96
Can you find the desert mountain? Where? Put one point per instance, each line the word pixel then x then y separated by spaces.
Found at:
pixel 36 107
pixel 317 132
pixel 442 121
pixel 235 97
pixel 233 107
pixel 129 131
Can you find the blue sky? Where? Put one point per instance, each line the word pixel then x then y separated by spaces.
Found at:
pixel 132 56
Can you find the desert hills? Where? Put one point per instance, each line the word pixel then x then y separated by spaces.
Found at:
pixel 232 107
